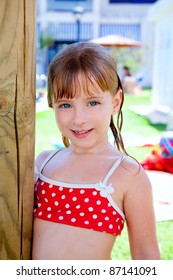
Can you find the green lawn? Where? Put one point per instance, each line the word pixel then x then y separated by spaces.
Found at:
pixel 47 134
pixel 46 131
pixel 165 239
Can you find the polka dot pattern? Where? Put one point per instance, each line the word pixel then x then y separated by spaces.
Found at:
pixel 80 207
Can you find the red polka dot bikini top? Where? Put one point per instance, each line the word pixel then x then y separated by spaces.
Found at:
pixel 88 206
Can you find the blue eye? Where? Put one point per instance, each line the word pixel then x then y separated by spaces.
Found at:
pixel 93 103
pixel 64 106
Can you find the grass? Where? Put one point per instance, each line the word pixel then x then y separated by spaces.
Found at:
pixel 121 249
pixel 47 133
pixel 139 125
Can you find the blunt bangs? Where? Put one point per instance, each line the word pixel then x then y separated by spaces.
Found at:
pixel 78 67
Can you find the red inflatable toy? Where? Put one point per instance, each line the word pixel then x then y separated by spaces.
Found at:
pixel 161 157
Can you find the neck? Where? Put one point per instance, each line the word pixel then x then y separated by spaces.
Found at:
pixel 99 149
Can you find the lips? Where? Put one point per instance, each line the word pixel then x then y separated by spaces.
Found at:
pixel 81 133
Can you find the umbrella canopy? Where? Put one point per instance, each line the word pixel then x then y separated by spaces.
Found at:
pixel 116 41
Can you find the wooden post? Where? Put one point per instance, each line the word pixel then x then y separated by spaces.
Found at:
pixel 17 126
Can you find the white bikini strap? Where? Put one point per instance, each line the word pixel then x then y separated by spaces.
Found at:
pixel 113 168
pixel 47 159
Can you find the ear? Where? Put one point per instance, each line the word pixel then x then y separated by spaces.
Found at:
pixel 117 99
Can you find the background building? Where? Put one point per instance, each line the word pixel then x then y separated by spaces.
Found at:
pixel 64 22
pixel 161 14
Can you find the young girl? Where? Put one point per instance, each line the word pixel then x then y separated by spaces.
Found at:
pixel 85 192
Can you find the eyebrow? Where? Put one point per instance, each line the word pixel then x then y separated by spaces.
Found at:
pixel 63 99
pixel 87 98
pixel 94 96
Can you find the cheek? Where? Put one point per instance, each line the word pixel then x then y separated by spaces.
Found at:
pixel 107 112
pixel 103 117
pixel 107 116
pixel 58 118
pixel 62 119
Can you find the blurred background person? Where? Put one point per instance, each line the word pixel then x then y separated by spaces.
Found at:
pixel 129 82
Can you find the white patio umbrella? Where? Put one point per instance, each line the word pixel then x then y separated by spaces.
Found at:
pixel 116 41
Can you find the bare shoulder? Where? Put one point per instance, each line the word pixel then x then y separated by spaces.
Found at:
pixel 134 174
pixel 137 188
pixel 131 165
pixel 42 157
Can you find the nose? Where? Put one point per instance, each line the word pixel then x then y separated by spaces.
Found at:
pixel 79 116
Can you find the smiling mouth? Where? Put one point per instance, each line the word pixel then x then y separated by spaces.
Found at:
pixel 81 132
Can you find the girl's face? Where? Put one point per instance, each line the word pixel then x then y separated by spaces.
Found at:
pixel 85 119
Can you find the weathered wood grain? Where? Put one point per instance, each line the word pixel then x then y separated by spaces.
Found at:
pixel 17 126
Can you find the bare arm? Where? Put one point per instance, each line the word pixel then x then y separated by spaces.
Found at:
pixel 138 206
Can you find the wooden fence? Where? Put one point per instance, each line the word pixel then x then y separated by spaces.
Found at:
pixel 17 126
